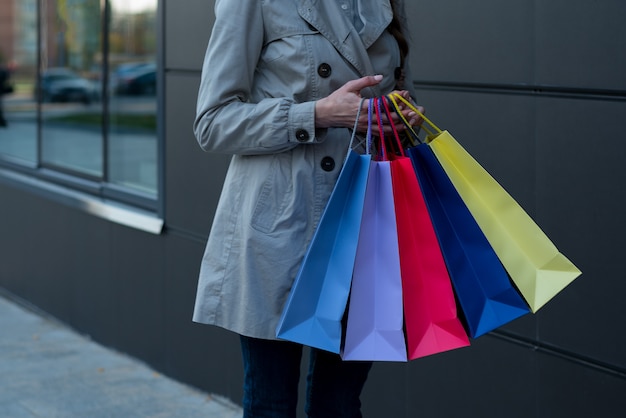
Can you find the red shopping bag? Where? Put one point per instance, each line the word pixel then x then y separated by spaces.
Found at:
pixel 432 323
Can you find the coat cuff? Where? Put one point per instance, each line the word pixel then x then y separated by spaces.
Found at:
pixel 302 124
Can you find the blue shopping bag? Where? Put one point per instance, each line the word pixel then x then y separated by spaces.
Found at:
pixel 482 286
pixel 317 302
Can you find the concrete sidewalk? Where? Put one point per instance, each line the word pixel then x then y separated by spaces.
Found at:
pixel 48 370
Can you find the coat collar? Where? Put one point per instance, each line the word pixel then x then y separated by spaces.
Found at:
pixel 329 20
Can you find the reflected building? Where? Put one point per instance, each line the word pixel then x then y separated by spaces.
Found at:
pixel 61 119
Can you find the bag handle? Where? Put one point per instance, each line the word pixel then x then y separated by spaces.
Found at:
pixel 394 96
pixel 356 124
pixel 386 145
pixel 400 148
pixel 381 134
pixel 368 134
pixel 412 133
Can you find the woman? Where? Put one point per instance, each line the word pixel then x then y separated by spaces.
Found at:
pixel 281 84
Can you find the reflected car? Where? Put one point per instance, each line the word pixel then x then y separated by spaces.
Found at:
pixel 138 81
pixel 64 85
pixel 124 70
pixel 129 67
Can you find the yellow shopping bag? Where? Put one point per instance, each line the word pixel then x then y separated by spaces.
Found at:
pixel 534 263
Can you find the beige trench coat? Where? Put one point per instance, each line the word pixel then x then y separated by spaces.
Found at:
pixel 266 64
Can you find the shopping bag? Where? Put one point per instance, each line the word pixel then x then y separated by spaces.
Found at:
pixel 432 322
pixel 374 329
pixel 317 301
pixel 482 286
pixel 534 263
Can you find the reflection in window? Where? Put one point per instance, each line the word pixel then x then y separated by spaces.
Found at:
pixel 58 115
pixel 18 68
pixel 69 86
pixel 132 151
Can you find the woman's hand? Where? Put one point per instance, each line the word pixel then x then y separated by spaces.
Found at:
pixel 339 109
pixel 412 117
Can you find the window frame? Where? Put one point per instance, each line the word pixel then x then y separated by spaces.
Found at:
pixel 94 194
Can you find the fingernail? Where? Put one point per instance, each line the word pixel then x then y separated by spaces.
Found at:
pixel 378 77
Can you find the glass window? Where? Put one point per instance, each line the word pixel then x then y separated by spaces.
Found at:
pixel 18 72
pixel 132 151
pixel 69 86
pixel 83 92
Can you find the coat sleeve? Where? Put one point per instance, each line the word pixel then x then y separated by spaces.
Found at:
pixel 226 121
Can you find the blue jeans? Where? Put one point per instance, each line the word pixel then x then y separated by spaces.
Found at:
pixel 272 373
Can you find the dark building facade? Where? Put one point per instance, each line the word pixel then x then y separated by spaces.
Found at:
pixel 534 90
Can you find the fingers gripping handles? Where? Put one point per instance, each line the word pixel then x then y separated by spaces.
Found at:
pixel 431 129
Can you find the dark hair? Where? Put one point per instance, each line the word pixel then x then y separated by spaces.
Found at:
pixel 396 29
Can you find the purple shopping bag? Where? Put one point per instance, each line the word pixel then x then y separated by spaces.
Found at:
pixel 374 329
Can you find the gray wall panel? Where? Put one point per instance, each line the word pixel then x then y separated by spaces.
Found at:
pixel 39 252
pixel 205 356
pixel 138 261
pixel 497 130
pixel 190 22
pixel 581 200
pixel 581 43
pixel 193 178
pixel 565 390
pixel 489 41
pixel 486 380
pixel 90 286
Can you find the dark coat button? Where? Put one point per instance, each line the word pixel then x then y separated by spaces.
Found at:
pixel 328 164
pixel 302 135
pixel 324 70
